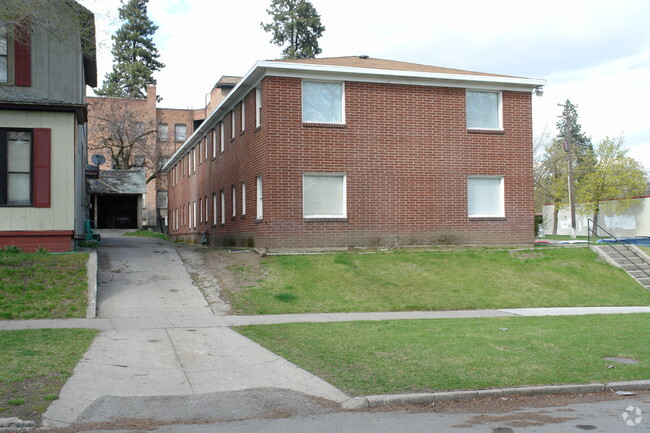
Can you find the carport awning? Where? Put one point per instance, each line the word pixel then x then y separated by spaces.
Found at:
pixel 119 182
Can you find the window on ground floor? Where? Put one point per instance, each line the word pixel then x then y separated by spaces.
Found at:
pixel 260 211
pixel 324 195
pixel 485 196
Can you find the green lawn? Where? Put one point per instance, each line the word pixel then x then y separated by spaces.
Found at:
pixel 364 358
pixel 34 365
pixel 401 281
pixel 147 234
pixel 40 286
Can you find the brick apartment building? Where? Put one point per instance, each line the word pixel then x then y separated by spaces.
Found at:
pixel 355 151
pixel 113 201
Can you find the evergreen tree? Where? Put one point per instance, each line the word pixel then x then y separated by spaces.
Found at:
pixel 569 129
pixel 297 25
pixel 134 54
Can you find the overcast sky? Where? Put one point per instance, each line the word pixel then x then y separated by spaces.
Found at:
pixel 594 52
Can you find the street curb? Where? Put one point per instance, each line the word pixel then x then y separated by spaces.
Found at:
pixel 91 272
pixel 428 398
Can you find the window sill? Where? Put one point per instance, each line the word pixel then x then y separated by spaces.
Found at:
pixel 324 125
pixel 325 220
pixel 487 218
pixel 242 132
pixel 486 131
pixel 257 128
pixel 234 218
pixel 242 217
pixel 259 221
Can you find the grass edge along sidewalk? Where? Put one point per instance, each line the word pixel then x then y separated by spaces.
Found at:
pixel 43 285
pixel 34 366
pixel 412 356
pixel 438 281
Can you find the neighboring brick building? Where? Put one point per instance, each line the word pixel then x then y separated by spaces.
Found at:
pixel 165 129
pixel 354 151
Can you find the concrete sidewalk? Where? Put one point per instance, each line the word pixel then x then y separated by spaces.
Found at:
pixel 164 322
pixel 160 338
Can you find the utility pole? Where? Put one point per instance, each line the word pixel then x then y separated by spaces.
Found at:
pixel 569 150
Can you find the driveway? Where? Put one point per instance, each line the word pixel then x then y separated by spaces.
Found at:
pixel 163 343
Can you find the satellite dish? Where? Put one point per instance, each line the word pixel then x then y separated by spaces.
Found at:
pixel 98 159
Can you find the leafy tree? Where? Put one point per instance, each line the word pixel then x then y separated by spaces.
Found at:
pixel 134 54
pixel 295 24
pixel 614 176
pixel 569 129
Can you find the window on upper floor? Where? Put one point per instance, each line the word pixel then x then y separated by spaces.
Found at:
pixel 222 136
pixel 4 55
pixel 485 197
pixel 323 102
pixel 324 195
pixel 163 132
pixel 214 143
pixel 223 207
pixel 258 107
pixel 232 124
pixel 243 115
pixel 233 192
pixel 483 110
pixel 180 132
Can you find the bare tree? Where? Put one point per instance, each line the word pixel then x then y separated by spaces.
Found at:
pixel 125 137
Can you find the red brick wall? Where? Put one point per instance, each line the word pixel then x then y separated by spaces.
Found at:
pixel 54 241
pixel 406 153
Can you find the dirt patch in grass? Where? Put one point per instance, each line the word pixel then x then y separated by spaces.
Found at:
pixel 220 272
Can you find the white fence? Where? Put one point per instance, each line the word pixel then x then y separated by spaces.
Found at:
pixel 635 221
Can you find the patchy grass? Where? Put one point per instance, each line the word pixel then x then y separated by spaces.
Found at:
pixel 42 286
pixel 34 365
pixel 363 358
pixel 438 280
pixel 148 234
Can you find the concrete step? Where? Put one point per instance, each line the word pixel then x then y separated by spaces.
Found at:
pixel 629 260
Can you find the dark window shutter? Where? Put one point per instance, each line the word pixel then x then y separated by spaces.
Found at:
pixel 22 56
pixel 42 167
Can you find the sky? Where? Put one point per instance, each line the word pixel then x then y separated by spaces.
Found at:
pixel 595 53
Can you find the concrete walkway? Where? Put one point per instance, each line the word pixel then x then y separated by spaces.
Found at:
pixel 164 322
pixel 160 338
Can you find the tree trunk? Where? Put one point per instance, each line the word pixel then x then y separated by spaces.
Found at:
pixel 556 209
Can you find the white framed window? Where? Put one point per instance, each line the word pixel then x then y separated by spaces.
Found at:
pixel 232 123
pixel 485 197
pixel 200 210
pixel 258 107
pixel 163 132
pixel 223 207
pixel 214 208
pixel 214 143
pixel 259 197
pixel 324 195
pixel 243 116
pixel 243 198
pixel 189 215
pixel 194 159
pixel 205 202
pixel 205 147
pixel 194 214
pixel 323 102
pixel 180 132
pixel 233 192
pixel 483 110
pixel 221 137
